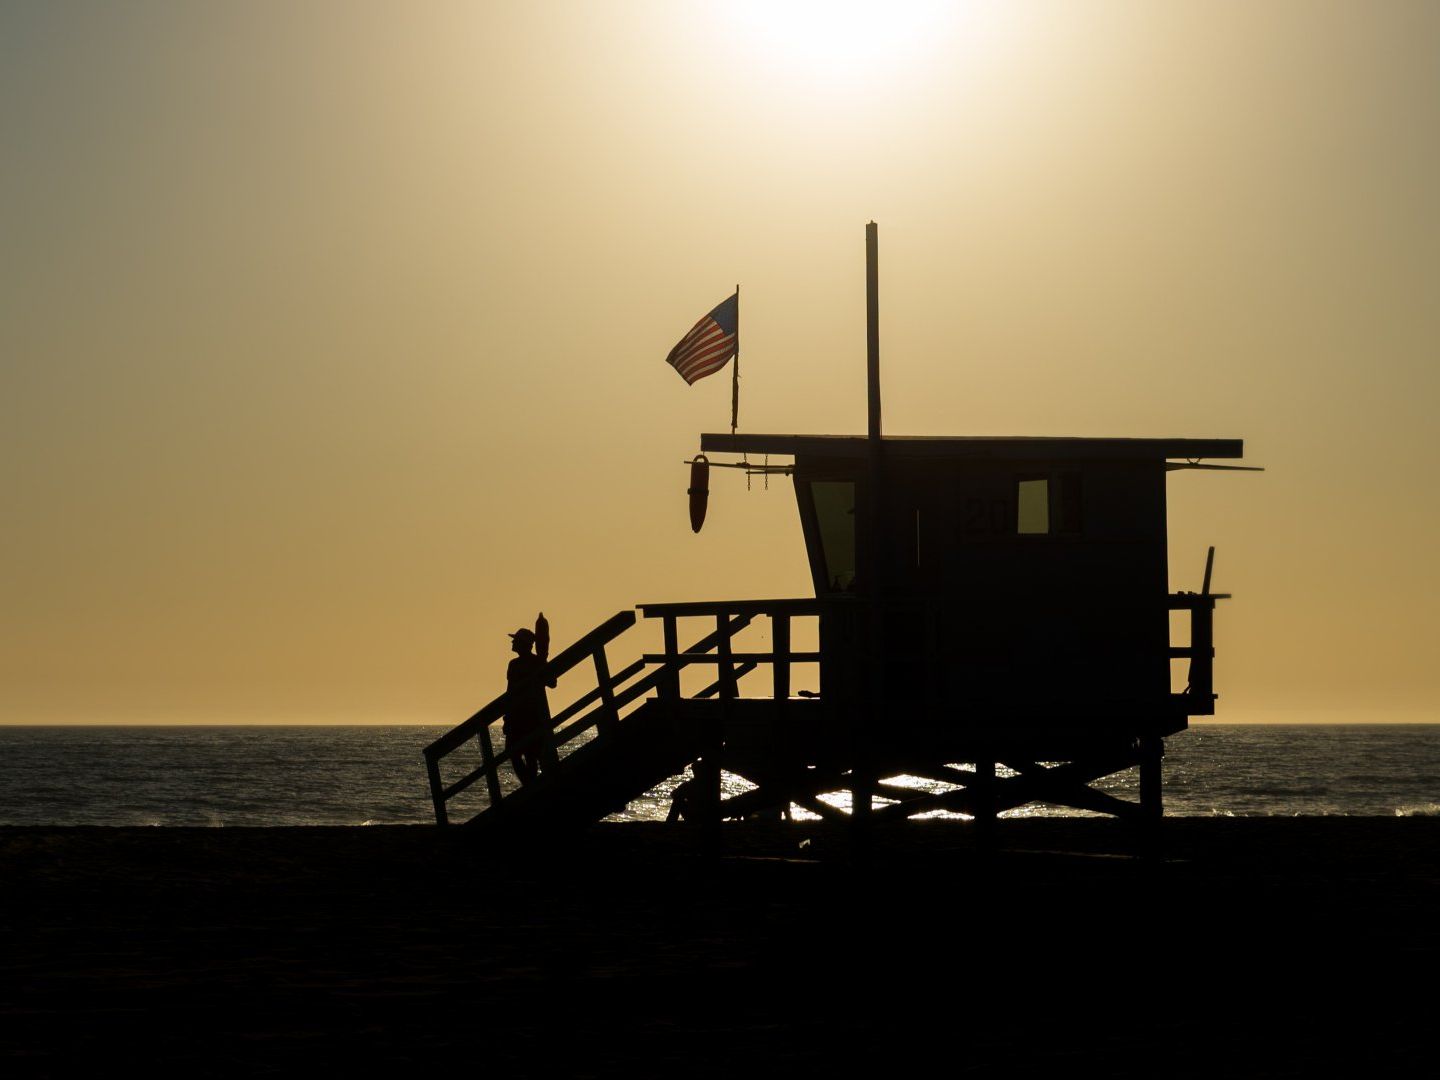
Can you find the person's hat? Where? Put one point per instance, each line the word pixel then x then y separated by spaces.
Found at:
pixel 523 636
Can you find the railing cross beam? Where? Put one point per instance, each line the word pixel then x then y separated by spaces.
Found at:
pixel 608 715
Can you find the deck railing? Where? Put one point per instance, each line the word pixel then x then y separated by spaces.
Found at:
pixel 1198 698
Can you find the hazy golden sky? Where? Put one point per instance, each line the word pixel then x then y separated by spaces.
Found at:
pixel 333 333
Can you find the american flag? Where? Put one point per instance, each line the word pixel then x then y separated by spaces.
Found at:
pixel 710 343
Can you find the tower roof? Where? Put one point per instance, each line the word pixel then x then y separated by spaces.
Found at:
pixel 976 447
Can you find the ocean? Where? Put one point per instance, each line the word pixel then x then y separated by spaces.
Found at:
pixel 218 776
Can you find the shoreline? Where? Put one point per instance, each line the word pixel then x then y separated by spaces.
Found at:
pixel 1260 946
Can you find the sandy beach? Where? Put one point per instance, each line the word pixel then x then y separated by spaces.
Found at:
pixel 1255 946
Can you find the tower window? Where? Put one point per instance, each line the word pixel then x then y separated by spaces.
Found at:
pixel 835 515
pixel 1048 504
pixel 1032 506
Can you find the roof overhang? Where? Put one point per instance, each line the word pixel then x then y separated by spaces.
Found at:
pixel 977 447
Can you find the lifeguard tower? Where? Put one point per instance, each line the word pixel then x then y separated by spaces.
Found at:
pixel 993 618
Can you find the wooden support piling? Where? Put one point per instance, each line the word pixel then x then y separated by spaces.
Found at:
pixel 862 778
pixel 1152 751
pixel 984 789
pixel 713 735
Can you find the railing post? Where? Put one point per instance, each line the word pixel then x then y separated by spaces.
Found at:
pixel 727 662
pixel 437 790
pixel 670 688
pixel 608 716
pixel 1152 751
pixel 933 692
pixel 862 787
pixel 984 788
pixel 492 774
pixel 780 636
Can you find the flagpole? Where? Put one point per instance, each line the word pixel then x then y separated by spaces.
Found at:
pixel 735 374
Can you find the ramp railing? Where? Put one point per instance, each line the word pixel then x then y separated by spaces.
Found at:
pixel 598 709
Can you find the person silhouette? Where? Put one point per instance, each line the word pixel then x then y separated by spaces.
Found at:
pixel 527 711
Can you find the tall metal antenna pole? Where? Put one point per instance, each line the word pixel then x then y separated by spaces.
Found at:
pixel 862 775
pixel 874 569
pixel 735 374
pixel 874 517
pixel 872 327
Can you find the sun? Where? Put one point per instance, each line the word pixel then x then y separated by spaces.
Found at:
pixel 835 37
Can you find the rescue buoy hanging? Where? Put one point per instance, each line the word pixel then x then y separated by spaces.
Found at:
pixel 699 490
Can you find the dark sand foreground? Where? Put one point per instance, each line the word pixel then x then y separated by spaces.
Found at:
pixel 1282 947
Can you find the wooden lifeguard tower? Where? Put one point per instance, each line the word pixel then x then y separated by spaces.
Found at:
pixel 994 621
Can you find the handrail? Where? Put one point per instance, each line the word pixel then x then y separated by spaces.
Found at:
pixel 805 606
pixel 812 605
pixel 1189 601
